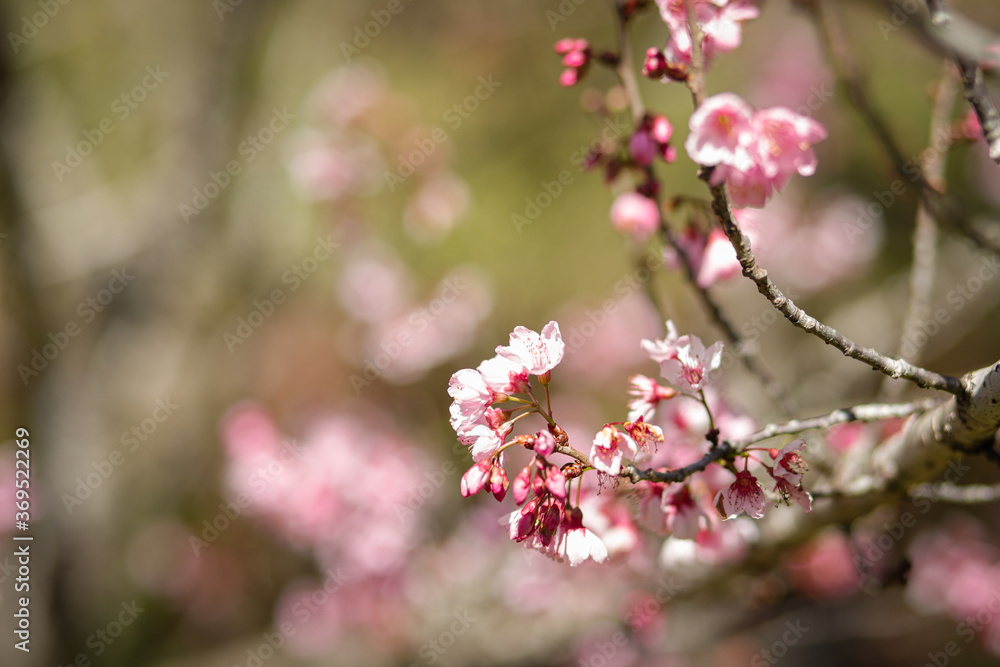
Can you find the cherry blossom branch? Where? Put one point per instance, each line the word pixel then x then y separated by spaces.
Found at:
pixel 860 413
pixel 944 209
pixel 727 448
pixel 626 74
pixel 894 368
pixel 948 38
pixel 925 234
pixel 979 99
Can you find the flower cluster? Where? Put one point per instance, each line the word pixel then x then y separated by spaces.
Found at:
pixel 753 152
pixel 546 519
pixel 745 495
pixel 547 522
pixel 577 56
pixel 719 22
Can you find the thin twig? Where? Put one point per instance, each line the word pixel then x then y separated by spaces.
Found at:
pixel 925 234
pixel 979 98
pixel 894 368
pixel 626 74
pixel 859 413
pixel 943 208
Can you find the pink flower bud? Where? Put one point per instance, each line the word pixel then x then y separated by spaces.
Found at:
pixel 569 77
pixel 635 215
pixel 655 64
pixel 575 59
pixel 565 45
pixel 555 482
pixel 551 516
pixel 661 130
pixel 545 443
pixel 642 148
pixel 498 482
pixel 522 485
pixel 523 524
pixel 538 485
pixel 475 478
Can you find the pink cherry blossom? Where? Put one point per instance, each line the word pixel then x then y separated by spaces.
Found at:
pixel 610 445
pixel 538 354
pixel 719 20
pixel 471 398
pixel 749 187
pixel 789 491
pixel 754 152
pixel 790 464
pixel 693 364
pixel 647 437
pixel 504 376
pixel 580 543
pixel 711 256
pixel 722 132
pixel 482 439
pixel 684 519
pixel 635 215
pixel 785 141
pixel 743 495
pixel 661 350
pixel 647 394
